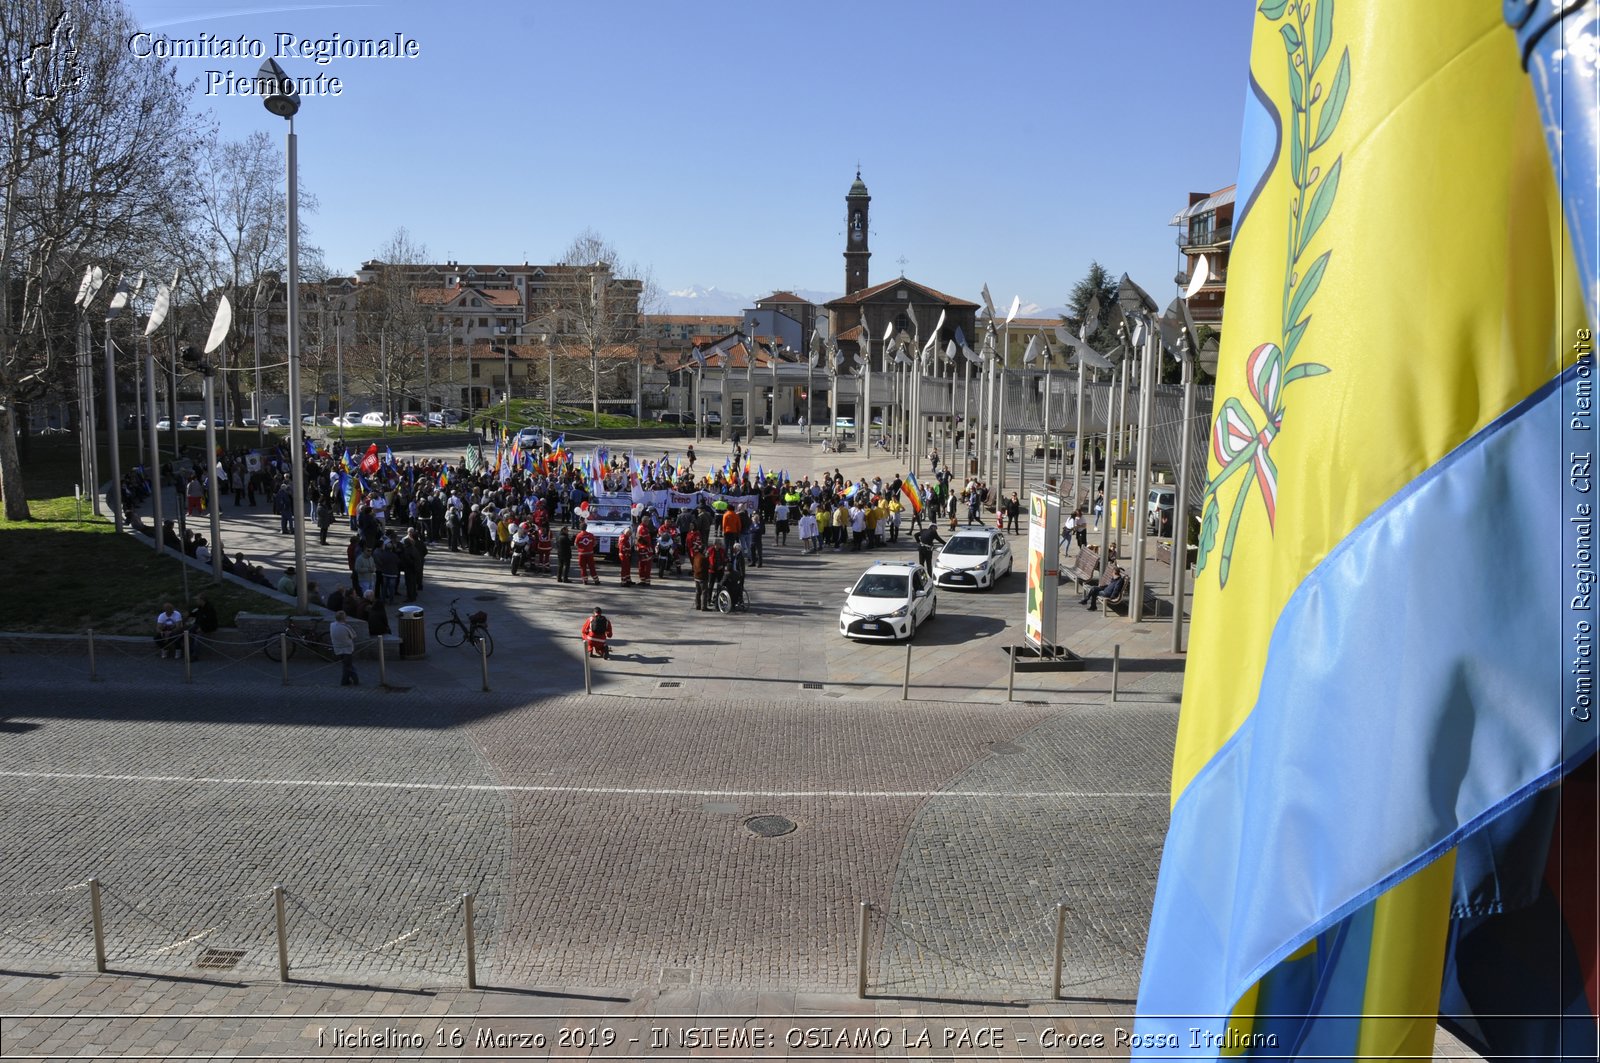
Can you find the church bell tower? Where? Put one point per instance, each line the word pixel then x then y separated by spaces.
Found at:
pixel 856 202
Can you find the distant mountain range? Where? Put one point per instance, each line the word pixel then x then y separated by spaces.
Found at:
pixel 716 302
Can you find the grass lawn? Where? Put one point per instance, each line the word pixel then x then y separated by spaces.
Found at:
pixel 536 413
pixel 67 570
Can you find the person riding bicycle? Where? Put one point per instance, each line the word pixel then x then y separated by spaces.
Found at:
pixel 597 635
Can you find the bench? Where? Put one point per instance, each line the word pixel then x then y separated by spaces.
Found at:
pixel 1119 604
pixel 1086 568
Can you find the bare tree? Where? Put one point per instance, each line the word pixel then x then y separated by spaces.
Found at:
pixel 92 150
pixel 595 303
pixel 237 239
pixel 391 324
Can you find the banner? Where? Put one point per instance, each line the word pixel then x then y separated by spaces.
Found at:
pixel 1044 571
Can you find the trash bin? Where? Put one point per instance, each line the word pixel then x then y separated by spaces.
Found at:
pixel 413 633
pixel 972 466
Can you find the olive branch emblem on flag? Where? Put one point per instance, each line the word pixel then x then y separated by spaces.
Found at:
pixel 1241 440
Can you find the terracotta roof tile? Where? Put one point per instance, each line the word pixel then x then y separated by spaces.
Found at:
pixel 934 295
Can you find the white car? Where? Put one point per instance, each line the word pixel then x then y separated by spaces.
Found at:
pixel 375 420
pixel 889 601
pixel 272 420
pixel 973 557
pixel 349 419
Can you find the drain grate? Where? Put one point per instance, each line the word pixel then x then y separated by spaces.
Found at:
pixel 810 686
pixel 769 826
pixel 487 598
pixel 1005 749
pixel 219 959
pixel 668 683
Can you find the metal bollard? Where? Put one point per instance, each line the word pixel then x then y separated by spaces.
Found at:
pixel 283 933
pixel 905 684
pixel 862 932
pixel 99 926
pixel 588 678
pixel 1011 675
pixel 91 655
pixel 188 659
pixel 483 658
pixel 472 943
pixel 1061 943
pixel 383 665
pixel 283 656
pixel 1116 668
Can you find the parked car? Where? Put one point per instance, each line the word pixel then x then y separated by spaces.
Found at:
pixel 530 438
pixel 973 557
pixel 888 602
pixel 374 419
pixel 1162 502
pixel 164 425
pixel 349 419
pixel 191 421
pixel 317 420
pixel 412 420
pixel 713 420
pixel 272 420
pixel 444 418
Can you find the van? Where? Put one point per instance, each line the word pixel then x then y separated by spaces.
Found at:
pixel 1160 508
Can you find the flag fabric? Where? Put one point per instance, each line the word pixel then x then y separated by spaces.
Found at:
pixel 1389 672
pixel 353 495
pixel 369 461
pixel 913 491
pixel 388 458
pixel 444 477
pixel 347 462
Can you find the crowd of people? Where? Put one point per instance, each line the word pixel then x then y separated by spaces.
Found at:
pixel 530 510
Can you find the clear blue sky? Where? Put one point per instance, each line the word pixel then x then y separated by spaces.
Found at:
pixel 1007 143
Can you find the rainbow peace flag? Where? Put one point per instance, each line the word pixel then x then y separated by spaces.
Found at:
pixel 353 495
pixel 1384 781
pixel 913 491
pixel 444 477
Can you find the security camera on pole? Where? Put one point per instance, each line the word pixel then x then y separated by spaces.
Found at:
pixel 281 97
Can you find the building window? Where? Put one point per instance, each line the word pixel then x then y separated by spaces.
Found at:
pixel 902 294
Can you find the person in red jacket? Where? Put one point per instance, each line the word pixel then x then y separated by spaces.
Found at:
pixel 625 557
pixel 597 635
pixel 585 544
pixel 645 540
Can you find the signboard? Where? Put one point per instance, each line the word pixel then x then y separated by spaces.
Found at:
pixel 1044 571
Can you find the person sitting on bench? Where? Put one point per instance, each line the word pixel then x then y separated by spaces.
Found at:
pixel 1111 588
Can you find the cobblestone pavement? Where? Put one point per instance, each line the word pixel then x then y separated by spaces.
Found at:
pixel 604 837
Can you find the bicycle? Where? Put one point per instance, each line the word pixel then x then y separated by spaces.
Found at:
pixel 312 639
pixel 459 629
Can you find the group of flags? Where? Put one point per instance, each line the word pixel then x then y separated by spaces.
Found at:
pixel 1384 787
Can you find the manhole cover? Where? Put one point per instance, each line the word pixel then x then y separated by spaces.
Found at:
pixel 806 601
pixel 1004 749
pixel 769 826
pixel 487 598
pixel 219 959
pixel 810 686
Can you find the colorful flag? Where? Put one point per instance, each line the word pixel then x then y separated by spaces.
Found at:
pixel 444 477
pixel 353 495
pixel 369 461
pixel 1390 671
pixel 388 458
pixel 913 491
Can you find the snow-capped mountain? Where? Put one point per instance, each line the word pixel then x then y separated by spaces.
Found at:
pixel 697 299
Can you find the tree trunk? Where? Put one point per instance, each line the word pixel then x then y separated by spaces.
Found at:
pixel 16 500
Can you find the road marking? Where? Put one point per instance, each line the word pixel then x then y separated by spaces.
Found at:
pixel 599 791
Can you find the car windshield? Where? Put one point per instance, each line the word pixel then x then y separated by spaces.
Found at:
pixel 881 585
pixel 969 545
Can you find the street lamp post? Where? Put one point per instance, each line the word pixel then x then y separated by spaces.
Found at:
pixel 281 97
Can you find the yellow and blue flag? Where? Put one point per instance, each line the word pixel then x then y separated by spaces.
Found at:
pixel 1390 683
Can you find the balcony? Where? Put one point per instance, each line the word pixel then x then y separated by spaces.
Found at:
pixel 1200 239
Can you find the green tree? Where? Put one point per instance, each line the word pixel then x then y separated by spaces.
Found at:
pixel 1099 283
